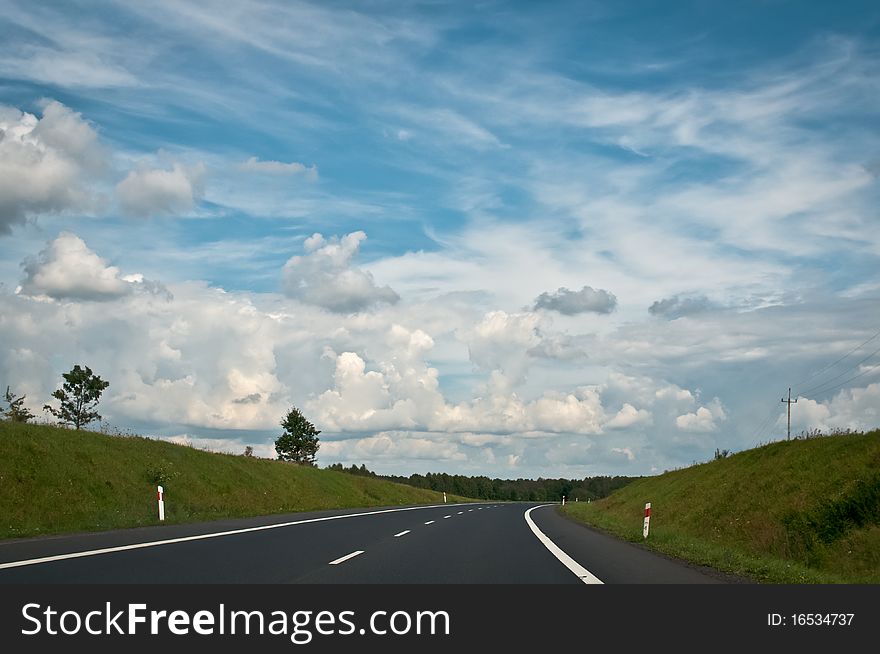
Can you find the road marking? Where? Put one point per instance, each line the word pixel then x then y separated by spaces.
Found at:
pixel 403 533
pixel 460 512
pixel 185 539
pixel 430 522
pixel 342 559
pixel 580 571
pixel 447 516
pixel 470 510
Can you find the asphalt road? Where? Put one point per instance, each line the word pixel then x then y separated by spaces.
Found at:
pixel 487 543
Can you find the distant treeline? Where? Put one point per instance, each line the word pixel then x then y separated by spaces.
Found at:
pixel 485 488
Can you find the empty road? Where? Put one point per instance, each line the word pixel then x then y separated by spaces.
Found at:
pixel 486 543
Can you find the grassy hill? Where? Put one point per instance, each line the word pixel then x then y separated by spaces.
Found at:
pixel 55 480
pixel 800 511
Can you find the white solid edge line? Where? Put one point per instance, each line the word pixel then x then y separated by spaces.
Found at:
pixel 579 571
pixel 184 539
pixel 346 557
pixel 403 533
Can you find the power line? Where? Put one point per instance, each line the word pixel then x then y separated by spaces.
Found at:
pixel 845 371
pixel 831 365
pixel 845 382
pixel 767 422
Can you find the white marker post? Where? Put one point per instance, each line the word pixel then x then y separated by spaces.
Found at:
pixel 161 495
pixel 563 500
pixel 647 520
pixel 444 497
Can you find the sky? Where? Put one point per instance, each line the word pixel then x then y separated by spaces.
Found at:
pixel 517 239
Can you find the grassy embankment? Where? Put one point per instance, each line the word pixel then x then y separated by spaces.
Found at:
pixel 55 480
pixel 800 511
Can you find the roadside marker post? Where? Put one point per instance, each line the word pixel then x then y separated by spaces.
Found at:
pixel 444 497
pixel 161 495
pixel 563 500
pixel 647 520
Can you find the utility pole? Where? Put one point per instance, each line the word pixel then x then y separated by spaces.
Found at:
pixel 789 402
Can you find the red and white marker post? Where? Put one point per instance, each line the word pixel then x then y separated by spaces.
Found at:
pixel 647 519
pixel 161 495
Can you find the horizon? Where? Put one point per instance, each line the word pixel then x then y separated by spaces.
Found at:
pixel 562 241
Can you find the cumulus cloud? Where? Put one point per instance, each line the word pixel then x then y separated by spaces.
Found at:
pixel 45 163
pixel 326 276
pixel 195 366
pixel 679 305
pixel 851 408
pixel 501 341
pixel 67 269
pixel 704 420
pixel 570 303
pixel 406 394
pixel 152 191
pixel 629 416
pixel 254 165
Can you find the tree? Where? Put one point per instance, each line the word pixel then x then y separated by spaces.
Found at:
pixel 249 451
pixel 299 442
pixel 79 395
pixel 16 412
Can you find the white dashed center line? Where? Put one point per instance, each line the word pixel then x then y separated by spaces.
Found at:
pixel 460 512
pixel 342 559
pixel 470 510
pixel 403 533
pixel 430 522
pixel 447 516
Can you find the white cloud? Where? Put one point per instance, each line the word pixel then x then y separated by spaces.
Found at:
pixel 629 416
pixel 851 408
pixel 45 163
pixel 406 394
pixel 448 123
pixel 571 303
pixel 625 451
pixel 151 191
pixel 68 269
pixel 704 420
pixel 501 342
pixel 254 165
pixel 326 277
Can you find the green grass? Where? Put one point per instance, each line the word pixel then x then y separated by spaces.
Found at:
pixel 55 480
pixel 800 511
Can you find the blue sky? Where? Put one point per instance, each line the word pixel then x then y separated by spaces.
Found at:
pixel 690 187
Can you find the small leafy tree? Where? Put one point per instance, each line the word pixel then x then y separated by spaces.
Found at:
pixel 299 442
pixel 79 395
pixel 16 412
pixel 249 451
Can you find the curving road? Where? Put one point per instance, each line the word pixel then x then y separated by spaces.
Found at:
pixel 485 543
